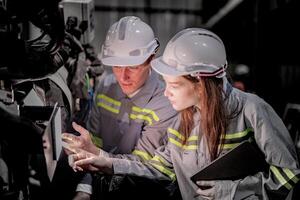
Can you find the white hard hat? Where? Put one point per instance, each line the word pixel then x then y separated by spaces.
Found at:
pixel 193 51
pixel 129 42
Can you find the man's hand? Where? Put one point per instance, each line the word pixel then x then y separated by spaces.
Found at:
pixel 83 141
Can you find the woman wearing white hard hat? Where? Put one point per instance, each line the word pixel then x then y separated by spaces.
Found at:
pixel 215 118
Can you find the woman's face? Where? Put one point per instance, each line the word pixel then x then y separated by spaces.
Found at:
pixel 181 92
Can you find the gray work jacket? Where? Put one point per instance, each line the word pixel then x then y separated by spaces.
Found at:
pixel 256 119
pixel 130 125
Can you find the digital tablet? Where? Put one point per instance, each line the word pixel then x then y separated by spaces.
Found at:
pixel 245 159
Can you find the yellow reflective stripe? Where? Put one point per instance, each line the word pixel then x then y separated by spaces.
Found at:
pixel 291 175
pixel 108 99
pixel 160 159
pixel 229 146
pixel 143 117
pixel 108 107
pixel 162 168
pixel 188 147
pixel 175 142
pixel 181 137
pixel 193 138
pixel 108 103
pixel 96 140
pixel 142 154
pixel 239 134
pixel 280 177
pixel 165 171
pixel 145 110
pixel 176 133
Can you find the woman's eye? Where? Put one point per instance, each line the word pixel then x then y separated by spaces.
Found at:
pixel 174 86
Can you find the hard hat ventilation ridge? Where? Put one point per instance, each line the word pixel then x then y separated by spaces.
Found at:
pixel 122 30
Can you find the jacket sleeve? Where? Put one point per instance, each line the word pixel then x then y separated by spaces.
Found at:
pixel 275 142
pixel 154 165
pixel 85 184
pixel 158 167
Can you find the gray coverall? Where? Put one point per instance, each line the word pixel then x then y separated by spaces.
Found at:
pixel 256 120
pixel 122 124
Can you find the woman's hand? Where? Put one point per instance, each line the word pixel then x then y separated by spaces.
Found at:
pixel 83 160
pixel 207 189
pixel 83 141
pixel 218 189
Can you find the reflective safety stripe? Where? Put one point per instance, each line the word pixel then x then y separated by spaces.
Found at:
pixel 160 159
pixel 190 147
pixel 229 146
pixel 291 175
pixel 176 133
pixel 145 110
pixel 175 142
pixel 280 178
pixel 108 99
pixel 144 155
pixel 159 163
pixel 113 110
pixel 165 171
pixel 234 139
pixel 143 114
pixel 142 117
pixel 193 138
pixel 96 141
pixel 187 147
pixel 108 103
pixel 239 134
pixel 181 137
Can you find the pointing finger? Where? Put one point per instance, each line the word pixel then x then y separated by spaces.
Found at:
pixel 79 128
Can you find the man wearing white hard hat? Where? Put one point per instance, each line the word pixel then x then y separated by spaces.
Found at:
pixel 130 112
pixel 215 118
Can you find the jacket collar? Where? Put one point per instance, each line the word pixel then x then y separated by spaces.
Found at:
pixel 142 98
pixel 227 87
pixel 144 95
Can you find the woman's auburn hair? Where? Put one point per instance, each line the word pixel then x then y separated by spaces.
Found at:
pixel 214 118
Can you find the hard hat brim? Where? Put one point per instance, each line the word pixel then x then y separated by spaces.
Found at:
pixel 164 69
pixel 124 61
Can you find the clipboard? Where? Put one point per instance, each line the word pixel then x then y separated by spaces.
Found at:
pixel 244 160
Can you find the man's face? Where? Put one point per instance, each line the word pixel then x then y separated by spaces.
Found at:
pixel 131 78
